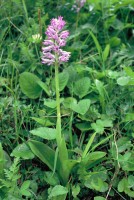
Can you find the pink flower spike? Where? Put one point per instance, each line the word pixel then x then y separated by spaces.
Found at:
pixel 56 38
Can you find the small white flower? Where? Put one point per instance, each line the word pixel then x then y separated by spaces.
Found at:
pixel 36 38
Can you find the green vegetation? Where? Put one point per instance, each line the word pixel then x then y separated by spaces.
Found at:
pixel 92 156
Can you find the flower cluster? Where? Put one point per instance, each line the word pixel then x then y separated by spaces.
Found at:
pixel 56 38
pixel 36 38
pixel 78 4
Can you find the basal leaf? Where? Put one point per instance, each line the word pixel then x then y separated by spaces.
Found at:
pixel 81 87
pixel 106 52
pixel 25 185
pixel 44 87
pixel 43 152
pixel 58 191
pixel 51 103
pixel 43 121
pixel 81 107
pixel 99 198
pixel 69 101
pixel 63 80
pixel 50 178
pixel 122 185
pixel 29 85
pixel 123 80
pixel 45 133
pixel 22 151
pixel 75 190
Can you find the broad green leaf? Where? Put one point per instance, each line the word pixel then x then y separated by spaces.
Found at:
pixel 95 155
pixel 122 185
pixel 50 178
pixel 97 184
pixel 8 161
pixel 131 181
pixel 45 133
pixel 51 103
pixel 47 155
pixel 67 167
pixel 99 198
pixel 75 190
pixel 106 52
pixel 112 74
pixel 123 80
pixel 118 24
pixel 25 185
pixel 22 151
pixel 129 72
pixel 124 159
pixel 63 157
pixel 114 41
pixel 69 101
pixel 43 152
pixel 63 153
pixel 106 122
pixel 26 193
pixel 57 191
pixel 83 126
pixel 63 80
pixel 128 162
pixel 72 75
pixel 100 186
pixel 99 128
pixel 43 121
pixel 81 87
pixel 91 158
pixel 81 107
pixel 129 117
pixel 29 85
pixel 101 124
pixel 129 192
pixel 100 87
pixel 123 144
pixel 44 87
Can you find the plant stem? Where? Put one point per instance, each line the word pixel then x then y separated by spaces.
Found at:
pixel 58 125
pixel 70 129
pixel 25 10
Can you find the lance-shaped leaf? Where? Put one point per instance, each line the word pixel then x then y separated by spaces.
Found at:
pixel 43 152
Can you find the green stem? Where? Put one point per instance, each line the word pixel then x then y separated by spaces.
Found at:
pixel 70 129
pixel 58 125
pixel 25 10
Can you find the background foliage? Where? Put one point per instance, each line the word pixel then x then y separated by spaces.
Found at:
pixel 97 96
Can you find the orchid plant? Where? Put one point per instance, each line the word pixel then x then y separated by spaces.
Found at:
pixel 53 54
pixel 59 160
